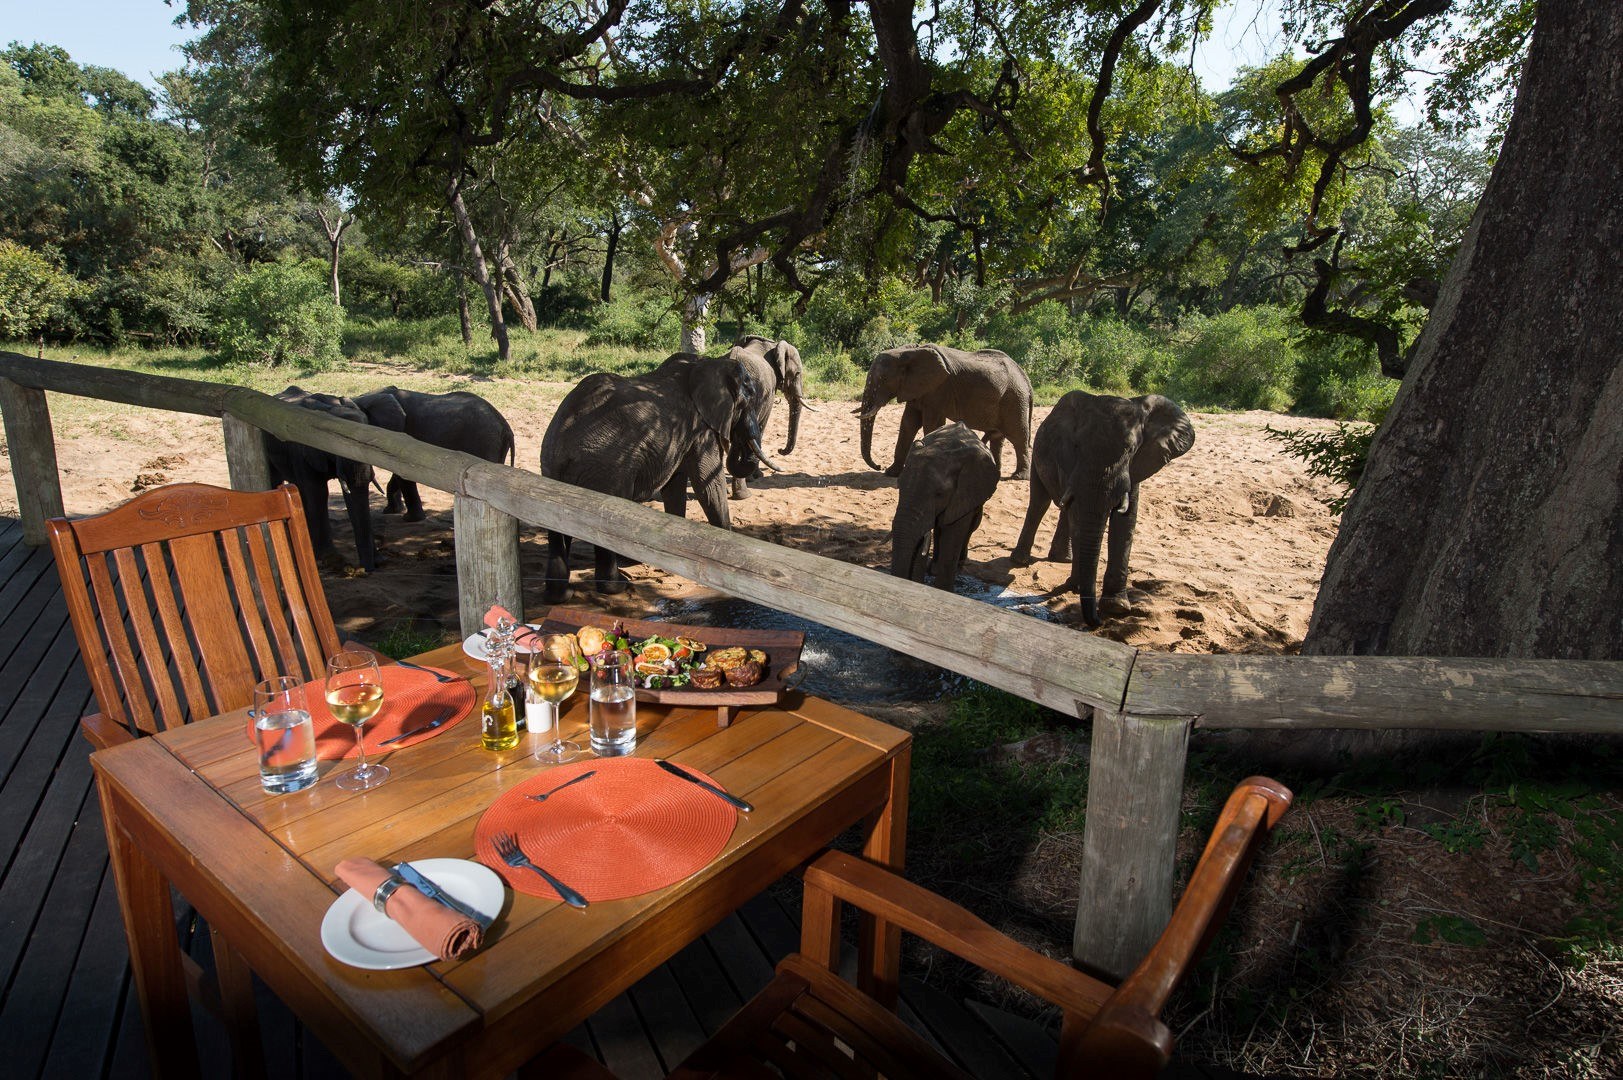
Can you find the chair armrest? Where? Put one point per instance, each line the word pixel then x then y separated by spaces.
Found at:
pixel 103 732
pixel 943 923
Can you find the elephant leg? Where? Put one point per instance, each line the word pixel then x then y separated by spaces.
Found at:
pixel 741 488
pixel 414 500
pixel 1113 599
pixel 951 546
pixel 610 581
pixel 912 420
pixel 1022 458
pixel 395 499
pixel 994 443
pixel 557 587
pixel 313 495
pixel 1035 509
pixel 1059 550
pixel 675 495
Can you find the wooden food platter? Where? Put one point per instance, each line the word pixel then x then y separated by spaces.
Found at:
pixel 782 648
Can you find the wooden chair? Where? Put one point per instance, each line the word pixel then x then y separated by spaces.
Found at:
pixel 182 599
pixel 220 589
pixel 809 1022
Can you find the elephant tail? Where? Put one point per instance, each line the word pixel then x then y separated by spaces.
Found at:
pixel 512 447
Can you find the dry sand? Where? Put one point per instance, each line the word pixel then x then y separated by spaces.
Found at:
pixel 1231 538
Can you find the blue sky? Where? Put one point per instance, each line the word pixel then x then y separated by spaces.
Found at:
pixel 138 37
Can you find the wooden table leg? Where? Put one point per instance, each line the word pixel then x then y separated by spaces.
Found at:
pixel 240 1010
pixel 879 944
pixel 149 924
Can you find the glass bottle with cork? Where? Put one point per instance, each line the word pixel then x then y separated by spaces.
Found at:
pixel 498 718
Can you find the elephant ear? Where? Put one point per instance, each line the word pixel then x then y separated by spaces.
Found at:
pixel 716 392
pixel 919 370
pixel 383 409
pixel 1168 434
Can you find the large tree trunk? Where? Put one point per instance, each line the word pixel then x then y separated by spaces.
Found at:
pixel 1487 522
pixel 477 266
pixel 518 294
pixel 693 313
pixel 616 227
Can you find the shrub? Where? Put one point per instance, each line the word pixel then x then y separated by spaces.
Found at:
pixel 1240 359
pixel 636 319
pixel 1341 378
pixel 1338 455
pixel 31 290
pixel 280 313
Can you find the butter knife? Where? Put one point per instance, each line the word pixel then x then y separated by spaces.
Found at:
pixel 430 726
pixel 416 879
pixel 677 770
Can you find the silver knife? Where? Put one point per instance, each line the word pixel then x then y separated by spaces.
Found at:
pixel 414 877
pixel 677 770
pixel 430 726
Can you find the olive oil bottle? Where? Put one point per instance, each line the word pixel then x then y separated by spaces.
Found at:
pixel 498 718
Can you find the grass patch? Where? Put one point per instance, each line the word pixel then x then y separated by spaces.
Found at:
pixel 405 639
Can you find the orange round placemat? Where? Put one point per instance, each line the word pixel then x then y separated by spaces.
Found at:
pixel 410 700
pixel 630 829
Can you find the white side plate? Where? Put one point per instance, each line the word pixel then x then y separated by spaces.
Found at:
pixel 355 933
pixel 475 645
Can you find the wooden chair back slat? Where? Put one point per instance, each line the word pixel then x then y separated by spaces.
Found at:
pixel 216 626
pixel 220 590
pixel 182 658
pixel 253 614
pixel 159 685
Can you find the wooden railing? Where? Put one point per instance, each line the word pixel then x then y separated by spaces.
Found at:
pixel 1144 704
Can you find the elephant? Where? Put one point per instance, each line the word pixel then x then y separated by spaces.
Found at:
pixel 775 365
pixel 310 469
pixel 1089 456
pixel 651 435
pixel 947 479
pixel 456 421
pixel 986 390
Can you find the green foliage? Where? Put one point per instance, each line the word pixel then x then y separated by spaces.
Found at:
pixel 280 313
pixel 634 319
pixel 1338 455
pixel 1242 358
pixel 31 290
pixel 403 640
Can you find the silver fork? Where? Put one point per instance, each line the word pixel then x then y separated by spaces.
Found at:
pixel 513 855
pixel 441 676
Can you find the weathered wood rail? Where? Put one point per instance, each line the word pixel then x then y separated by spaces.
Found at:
pixel 1145 704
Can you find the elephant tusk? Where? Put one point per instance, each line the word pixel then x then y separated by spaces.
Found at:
pixel 854 412
pixel 760 452
pixel 809 407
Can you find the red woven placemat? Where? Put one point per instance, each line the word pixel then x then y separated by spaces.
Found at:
pixel 630 829
pixel 410 699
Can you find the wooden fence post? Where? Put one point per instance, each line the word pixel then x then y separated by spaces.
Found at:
pixel 487 568
pixel 245 455
pixel 1129 838
pixel 32 447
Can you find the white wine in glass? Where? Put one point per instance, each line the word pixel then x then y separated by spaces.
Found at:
pixel 553 676
pixel 355 694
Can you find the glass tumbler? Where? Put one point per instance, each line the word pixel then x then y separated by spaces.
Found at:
pixel 285 735
pixel 613 707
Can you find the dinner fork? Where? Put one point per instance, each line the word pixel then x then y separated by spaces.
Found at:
pixel 545 795
pixel 441 676
pixel 513 855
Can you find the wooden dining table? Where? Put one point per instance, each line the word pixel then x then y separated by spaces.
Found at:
pixel 185 809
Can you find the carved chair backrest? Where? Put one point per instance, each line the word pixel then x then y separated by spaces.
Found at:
pixel 186 596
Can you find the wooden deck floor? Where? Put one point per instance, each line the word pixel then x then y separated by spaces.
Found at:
pixel 67 1008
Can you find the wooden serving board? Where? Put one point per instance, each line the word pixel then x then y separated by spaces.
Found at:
pixel 782 648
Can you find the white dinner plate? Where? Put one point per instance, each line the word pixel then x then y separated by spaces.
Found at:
pixel 354 932
pixel 475 645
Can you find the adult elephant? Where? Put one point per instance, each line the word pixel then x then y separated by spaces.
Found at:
pixel 944 485
pixel 1090 455
pixel 456 421
pixel 641 437
pixel 986 390
pixel 310 469
pixel 775 365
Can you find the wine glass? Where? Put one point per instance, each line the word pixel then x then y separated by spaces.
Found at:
pixel 355 694
pixel 553 674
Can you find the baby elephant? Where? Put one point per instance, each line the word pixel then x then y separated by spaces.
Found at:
pixel 945 482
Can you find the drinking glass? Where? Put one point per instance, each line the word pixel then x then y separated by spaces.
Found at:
pixel 553 674
pixel 613 717
pixel 286 737
pixel 355 694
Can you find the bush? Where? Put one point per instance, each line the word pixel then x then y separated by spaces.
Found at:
pixel 1338 455
pixel 634 319
pixel 1240 359
pixel 865 317
pixel 1341 378
pixel 280 313
pixel 31 290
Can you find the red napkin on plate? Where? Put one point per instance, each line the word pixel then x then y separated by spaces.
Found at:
pixel 498 613
pixel 436 927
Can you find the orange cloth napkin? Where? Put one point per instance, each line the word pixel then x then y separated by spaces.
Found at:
pixel 436 927
pixel 498 613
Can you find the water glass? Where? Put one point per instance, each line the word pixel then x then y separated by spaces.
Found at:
pixel 286 738
pixel 613 708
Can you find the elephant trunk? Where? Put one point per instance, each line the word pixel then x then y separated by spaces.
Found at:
pixel 873 398
pixel 795 405
pixel 909 538
pixel 357 504
pixel 1087 537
